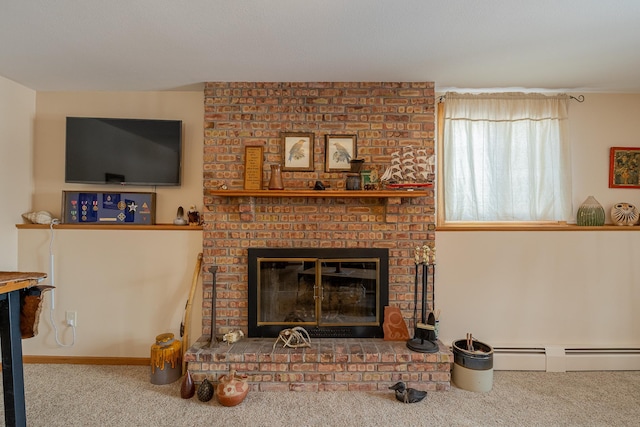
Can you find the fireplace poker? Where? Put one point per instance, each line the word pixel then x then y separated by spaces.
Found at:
pixel 433 280
pixel 433 287
pixel 212 340
pixel 425 281
pixel 415 288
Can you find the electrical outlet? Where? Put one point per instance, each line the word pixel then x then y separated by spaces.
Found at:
pixel 72 318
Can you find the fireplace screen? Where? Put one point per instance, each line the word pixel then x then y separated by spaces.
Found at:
pixel 337 296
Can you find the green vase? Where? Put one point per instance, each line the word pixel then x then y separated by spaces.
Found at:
pixel 590 213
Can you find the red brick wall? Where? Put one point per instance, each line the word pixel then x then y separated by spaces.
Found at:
pixel 383 116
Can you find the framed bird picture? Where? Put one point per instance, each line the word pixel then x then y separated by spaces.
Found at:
pixel 339 150
pixel 297 151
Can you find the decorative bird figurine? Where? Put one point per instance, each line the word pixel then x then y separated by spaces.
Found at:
pixel 341 154
pixel 297 150
pixel 193 215
pixel 407 395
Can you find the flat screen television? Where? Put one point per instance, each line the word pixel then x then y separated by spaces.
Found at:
pixel 123 151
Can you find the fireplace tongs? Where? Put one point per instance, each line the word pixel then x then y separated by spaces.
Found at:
pixel 214 338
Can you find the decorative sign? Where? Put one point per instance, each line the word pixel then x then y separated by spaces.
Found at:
pixel 253 159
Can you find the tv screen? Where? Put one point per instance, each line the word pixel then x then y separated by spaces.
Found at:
pixel 123 151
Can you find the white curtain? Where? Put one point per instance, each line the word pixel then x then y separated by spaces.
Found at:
pixel 506 157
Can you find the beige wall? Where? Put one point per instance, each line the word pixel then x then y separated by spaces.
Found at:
pixel 569 288
pixel 52 108
pixel 17 112
pixel 507 288
pixel 126 286
pixel 540 289
pixel 600 122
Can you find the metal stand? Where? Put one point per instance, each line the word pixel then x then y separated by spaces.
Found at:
pixel 424 336
pixel 213 340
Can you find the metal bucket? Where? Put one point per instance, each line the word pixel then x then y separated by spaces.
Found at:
pixel 472 370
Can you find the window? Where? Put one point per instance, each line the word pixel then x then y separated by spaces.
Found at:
pixel 505 158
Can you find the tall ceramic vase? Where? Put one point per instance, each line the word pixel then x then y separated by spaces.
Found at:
pixel 275 182
pixel 590 213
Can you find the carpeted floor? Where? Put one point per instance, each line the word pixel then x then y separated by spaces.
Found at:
pixel 90 395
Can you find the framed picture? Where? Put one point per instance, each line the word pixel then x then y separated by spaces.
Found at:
pixel 624 167
pixel 297 151
pixel 339 150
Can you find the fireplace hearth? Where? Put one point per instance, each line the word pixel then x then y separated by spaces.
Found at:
pixel 332 293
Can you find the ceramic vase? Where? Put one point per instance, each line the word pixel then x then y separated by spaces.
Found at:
pixel 624 214
pixel 166 359
pixel 205 391
pixel 188 387
pixel 356 165
pixel 275 182
pixel 590 213
pixel 354 181
pixel 232 389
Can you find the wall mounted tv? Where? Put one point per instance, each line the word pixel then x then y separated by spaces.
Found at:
pixel 123 151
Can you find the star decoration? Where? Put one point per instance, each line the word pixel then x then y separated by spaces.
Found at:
pixel 132 207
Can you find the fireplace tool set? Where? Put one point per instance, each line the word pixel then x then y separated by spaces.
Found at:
pixel 424 337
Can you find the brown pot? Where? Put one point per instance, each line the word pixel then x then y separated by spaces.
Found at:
pixel 275 182
pixel 232 389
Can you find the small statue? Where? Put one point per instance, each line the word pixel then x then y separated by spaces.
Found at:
pixel 233 336
pixel 179 220
pixel 407 395
pixel 193 215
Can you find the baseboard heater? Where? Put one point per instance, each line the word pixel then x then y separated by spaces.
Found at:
pixel 565 359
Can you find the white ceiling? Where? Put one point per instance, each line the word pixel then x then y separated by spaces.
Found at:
pixel 128 45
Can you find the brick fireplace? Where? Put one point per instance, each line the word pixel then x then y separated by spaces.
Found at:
pixel 384 117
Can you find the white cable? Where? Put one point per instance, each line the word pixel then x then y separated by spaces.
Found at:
pixel 51 265
pixel 52 281
pixel 55 328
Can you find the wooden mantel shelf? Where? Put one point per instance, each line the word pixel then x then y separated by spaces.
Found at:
pixel 319 193
pixel 96 226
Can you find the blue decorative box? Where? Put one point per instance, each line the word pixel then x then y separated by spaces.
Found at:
pixel 86 207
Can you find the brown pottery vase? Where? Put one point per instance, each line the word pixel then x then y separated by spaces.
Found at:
pixel 275 182
pixel 232 389
pixel 188 387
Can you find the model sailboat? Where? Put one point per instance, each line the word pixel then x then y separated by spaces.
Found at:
pixel 409 168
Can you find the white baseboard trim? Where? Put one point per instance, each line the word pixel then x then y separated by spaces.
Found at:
pixel 561 359
pixel 519 359
pixel 613 359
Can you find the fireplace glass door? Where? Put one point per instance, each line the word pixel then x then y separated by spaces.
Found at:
pixel 319 294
